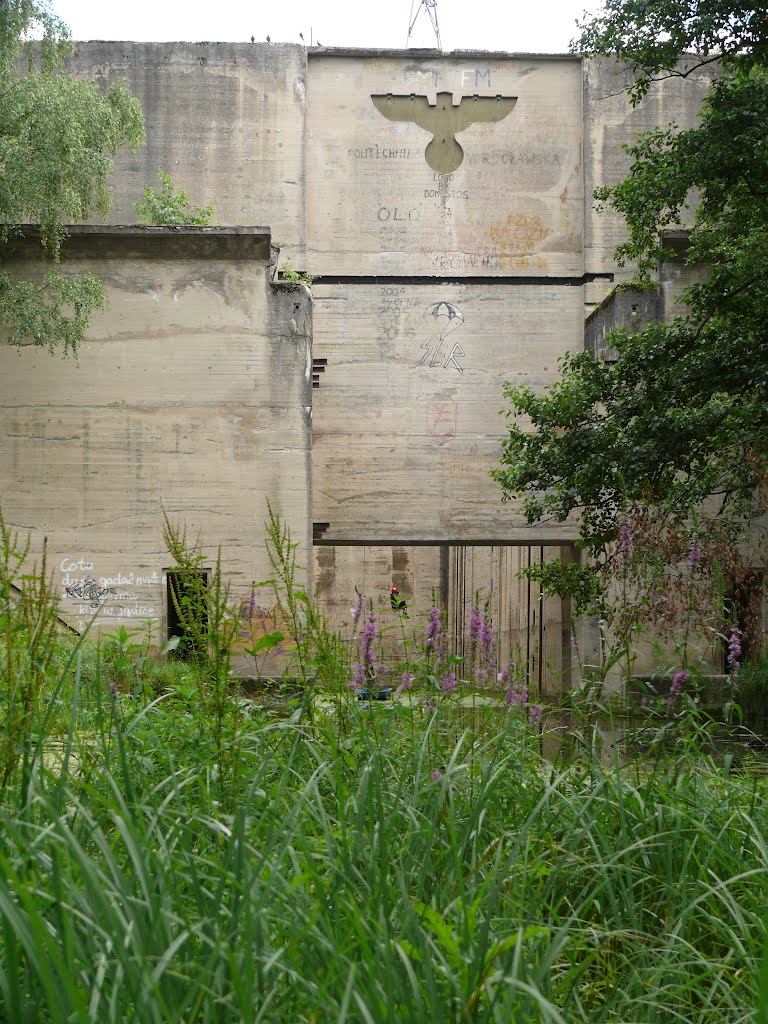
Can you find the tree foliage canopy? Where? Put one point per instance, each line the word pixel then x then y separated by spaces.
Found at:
pixel 58 135
pixel 683 414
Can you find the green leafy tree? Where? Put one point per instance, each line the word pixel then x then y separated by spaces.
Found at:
pixel 682 416
pixel 169 204
pixel 58 135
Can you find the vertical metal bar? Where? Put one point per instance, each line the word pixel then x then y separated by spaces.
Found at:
pixel 528 629
pixel 445 569
pixel 567 554
pixel 541 631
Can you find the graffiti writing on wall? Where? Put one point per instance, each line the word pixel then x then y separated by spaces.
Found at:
pixel 89 591
pixel 443 318
pixel 517 158
pixel 113 598
pixel 392 321
pixel 376 152
pixel 522 233
pixel 445 193
pixel 442 420
pixel 458 78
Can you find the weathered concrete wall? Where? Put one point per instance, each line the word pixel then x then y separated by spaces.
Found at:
pixel 610 123
pixel 192 395
pixel 406 418
pixel 342 573
pixel 629 308
pixel 375 204
pixel 225 119
pixel 440 277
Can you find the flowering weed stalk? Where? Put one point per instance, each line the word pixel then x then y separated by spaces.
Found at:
pixel 365 670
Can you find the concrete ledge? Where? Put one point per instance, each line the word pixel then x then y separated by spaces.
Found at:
pixel 146 241
pixel 630 308
pixel 427 53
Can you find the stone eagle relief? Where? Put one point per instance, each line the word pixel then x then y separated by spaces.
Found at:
pixel 443 120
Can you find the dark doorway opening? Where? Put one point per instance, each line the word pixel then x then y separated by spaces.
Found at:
pixel 187 611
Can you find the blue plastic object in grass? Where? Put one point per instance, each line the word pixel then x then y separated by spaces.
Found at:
pixel 384 694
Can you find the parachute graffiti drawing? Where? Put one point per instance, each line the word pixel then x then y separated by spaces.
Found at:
pixel 443 318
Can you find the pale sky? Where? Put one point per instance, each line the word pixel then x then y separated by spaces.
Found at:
pixel 533 26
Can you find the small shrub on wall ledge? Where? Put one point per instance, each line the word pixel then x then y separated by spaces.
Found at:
pixel 293 276
pixel 169 204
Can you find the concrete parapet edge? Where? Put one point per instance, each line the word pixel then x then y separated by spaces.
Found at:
pixel 148 241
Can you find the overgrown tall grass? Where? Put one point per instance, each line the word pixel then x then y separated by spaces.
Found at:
pixel 362 861
pixel 375 875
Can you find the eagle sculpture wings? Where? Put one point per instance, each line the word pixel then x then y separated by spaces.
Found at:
pixel 443 120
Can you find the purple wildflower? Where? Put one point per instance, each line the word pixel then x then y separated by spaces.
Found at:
pixel 432 631
pixel 429 706
pixel 575 644
pixel 365 670
pixel 368 638
pixel 476 620
pixel 694 554
pixel 626 543
pixel 251 604
pixel 448 682
pixel 677 681
pixel 534 714
pixel 436 775
pixel 358 680
pixel 515 698
pixel 481 643
pixel 675 687
pixel 407 683
pixel 357 611
pixel 486 639
pixel 441 650
pixel 435 636
pixel 734 649
pixel 112 689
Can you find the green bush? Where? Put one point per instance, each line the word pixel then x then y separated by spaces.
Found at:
pixel 168 204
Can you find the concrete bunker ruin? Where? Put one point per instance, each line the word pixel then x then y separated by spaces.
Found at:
pixel 369 414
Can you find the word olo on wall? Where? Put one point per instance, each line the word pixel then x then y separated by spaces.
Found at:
pixel 387 213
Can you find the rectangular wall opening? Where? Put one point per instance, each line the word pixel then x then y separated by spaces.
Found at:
pixel 186 608
pixel 531 630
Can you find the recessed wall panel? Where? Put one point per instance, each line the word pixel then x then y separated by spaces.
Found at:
pixel 385 194
pixel 406 423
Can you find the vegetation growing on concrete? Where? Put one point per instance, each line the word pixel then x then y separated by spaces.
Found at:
pixel 293 276
pixel 173 852
pixel 169 204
